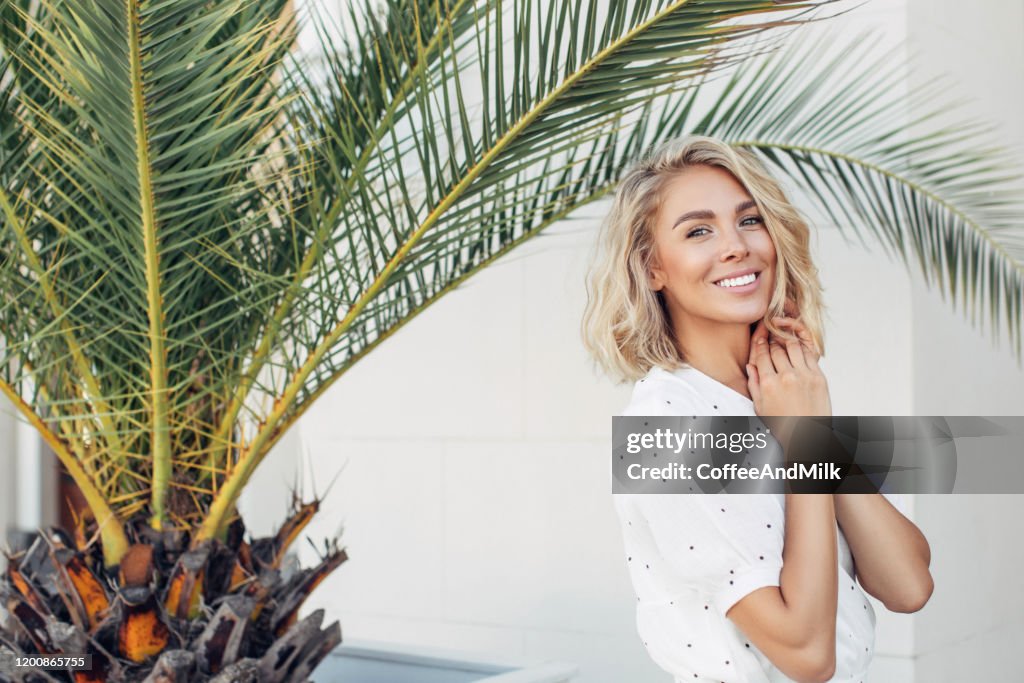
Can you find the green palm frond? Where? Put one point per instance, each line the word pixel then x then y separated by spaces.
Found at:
pixel 200 234
pixel 941 197
pixel 136 173
pixel 444 181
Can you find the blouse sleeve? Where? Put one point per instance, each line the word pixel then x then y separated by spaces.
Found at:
pixel 724 546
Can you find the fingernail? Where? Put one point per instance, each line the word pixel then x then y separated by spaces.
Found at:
pixel 761 340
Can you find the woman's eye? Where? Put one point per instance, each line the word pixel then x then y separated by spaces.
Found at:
pixel 752 220
pixel 696 232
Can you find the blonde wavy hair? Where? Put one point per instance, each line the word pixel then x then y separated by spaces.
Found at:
pixel 626 326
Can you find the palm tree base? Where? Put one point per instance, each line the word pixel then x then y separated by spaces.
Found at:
pixel 169 612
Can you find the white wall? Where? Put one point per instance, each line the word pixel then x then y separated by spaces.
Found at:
pixel 972 627
pixel 28 476
pixel 988 64
pixel 8 458
pixel 475 497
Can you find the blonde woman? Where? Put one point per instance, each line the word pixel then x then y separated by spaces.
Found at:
pixel 704 295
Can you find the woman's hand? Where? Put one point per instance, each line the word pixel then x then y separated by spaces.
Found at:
pixel 783 375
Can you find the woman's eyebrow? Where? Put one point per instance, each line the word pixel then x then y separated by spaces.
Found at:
pixel 707 214
pixel 702 214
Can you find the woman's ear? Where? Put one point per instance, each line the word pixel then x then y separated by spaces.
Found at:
pixel 655 275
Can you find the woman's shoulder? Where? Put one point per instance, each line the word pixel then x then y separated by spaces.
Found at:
pixel 664 392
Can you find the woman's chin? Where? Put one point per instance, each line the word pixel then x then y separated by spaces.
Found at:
pixel 749 315
pixel 737 319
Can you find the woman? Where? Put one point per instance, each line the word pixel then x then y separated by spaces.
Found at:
pixel 704 294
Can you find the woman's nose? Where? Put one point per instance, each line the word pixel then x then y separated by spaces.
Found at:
pixel 734 245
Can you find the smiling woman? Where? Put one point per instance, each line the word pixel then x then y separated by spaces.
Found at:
pixel 704 293
pixel 688 224
pixel 713 266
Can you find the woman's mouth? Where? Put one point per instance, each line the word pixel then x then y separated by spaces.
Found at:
pixel 740 285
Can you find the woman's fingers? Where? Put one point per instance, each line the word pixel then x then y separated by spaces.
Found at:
pixel 797 326
pixel 802 333
pixel 760 357
pixel 783 374
pixel 795 353
pixel 754 384
pixel 760 332
pixel 780 357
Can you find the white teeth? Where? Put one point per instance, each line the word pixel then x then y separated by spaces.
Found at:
pixel 737 281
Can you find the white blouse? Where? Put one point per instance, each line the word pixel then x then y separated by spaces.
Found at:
pixel 691 558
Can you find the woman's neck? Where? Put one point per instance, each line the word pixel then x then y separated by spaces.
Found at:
pixel 719 350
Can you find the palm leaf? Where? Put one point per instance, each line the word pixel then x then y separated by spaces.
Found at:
pixel 140 184
pixel 196 242
pixel 442 182
pixel 941 197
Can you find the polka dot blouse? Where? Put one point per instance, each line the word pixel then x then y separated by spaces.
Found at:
pixel 691 558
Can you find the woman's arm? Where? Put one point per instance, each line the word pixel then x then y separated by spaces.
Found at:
pixel 891 554
pixel 794 624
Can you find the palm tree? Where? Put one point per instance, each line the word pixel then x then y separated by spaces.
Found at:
pixel 201 232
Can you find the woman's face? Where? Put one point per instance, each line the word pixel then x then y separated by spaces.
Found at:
pixel 713 257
